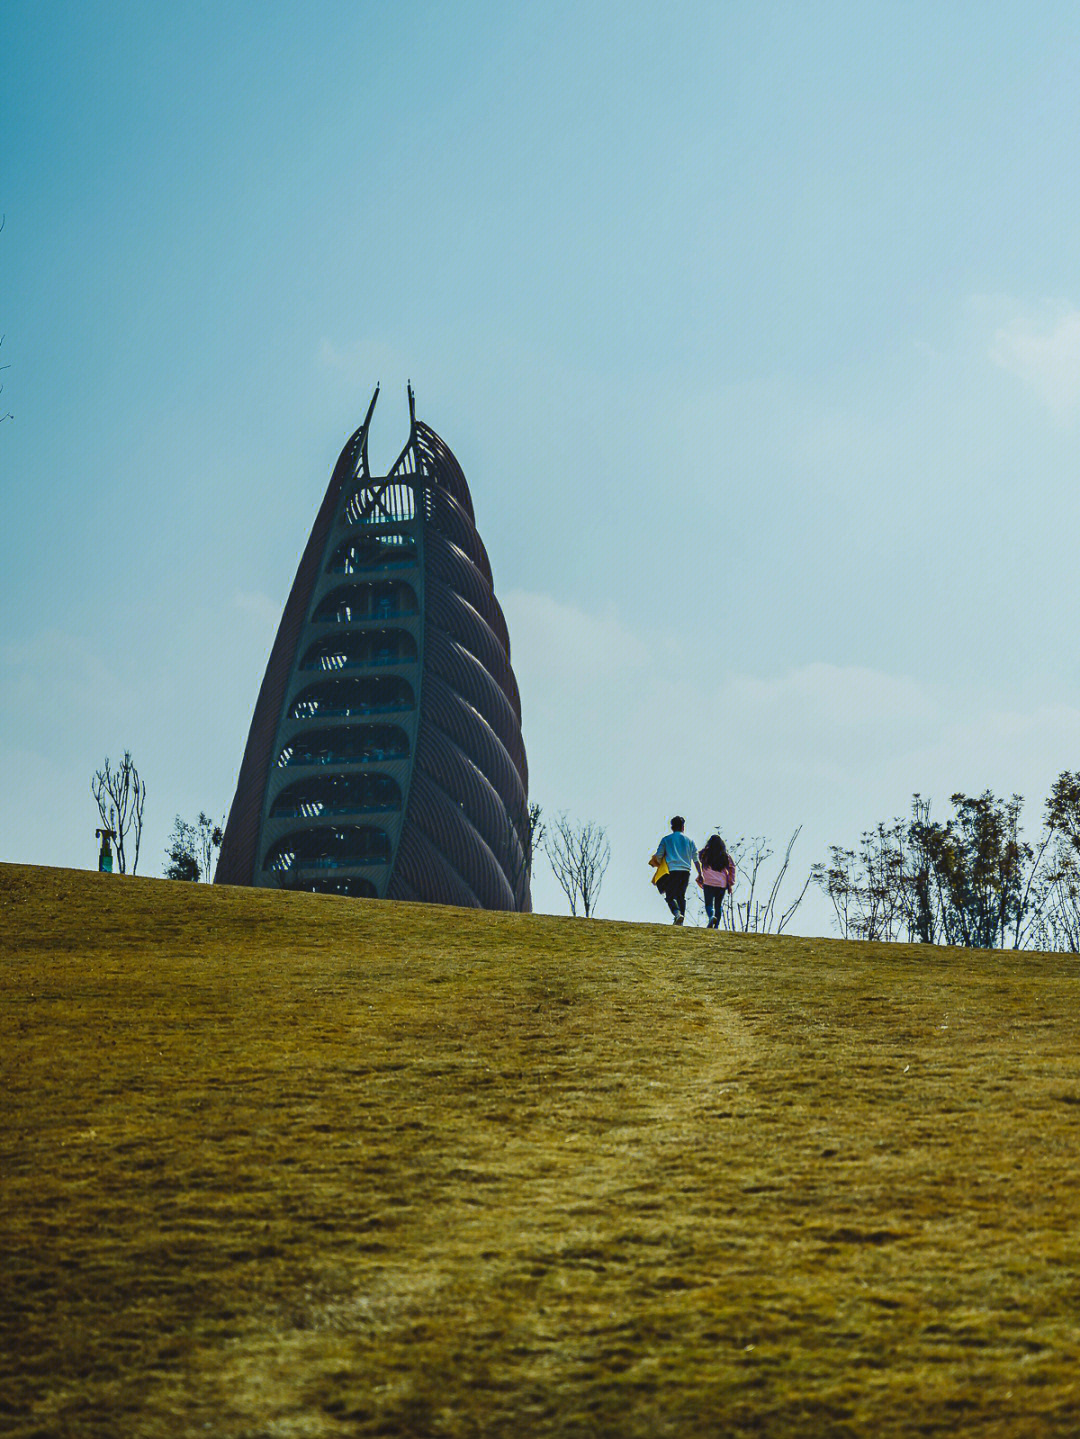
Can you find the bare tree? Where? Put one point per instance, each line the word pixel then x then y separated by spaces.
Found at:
pixel 752 912
pixel 119 795
pixel 1055 924
pixel 578 855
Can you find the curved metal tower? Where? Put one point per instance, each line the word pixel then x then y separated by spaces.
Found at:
pixel 385 756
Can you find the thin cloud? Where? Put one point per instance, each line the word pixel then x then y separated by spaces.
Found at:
pixel 1044 352
pixel 840 697
pixel 572 645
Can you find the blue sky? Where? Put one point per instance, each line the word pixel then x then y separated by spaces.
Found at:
pixel 755 328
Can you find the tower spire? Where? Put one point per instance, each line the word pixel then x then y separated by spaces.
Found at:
pixel 364 432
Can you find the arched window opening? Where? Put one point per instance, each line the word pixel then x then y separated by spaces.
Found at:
pixel 351 698
pixel 363 649
pixel 334 794
pixel 376 600
pixel 350 744
pixel 340 847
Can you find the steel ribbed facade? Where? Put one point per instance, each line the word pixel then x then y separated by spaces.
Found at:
pixel 385 756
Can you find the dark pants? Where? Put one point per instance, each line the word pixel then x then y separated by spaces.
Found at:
pixel 714 903
pixel 673 887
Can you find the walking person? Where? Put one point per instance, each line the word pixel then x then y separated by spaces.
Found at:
pixel 716 877
pixel 678 852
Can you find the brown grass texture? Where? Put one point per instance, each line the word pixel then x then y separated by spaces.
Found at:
pixel 288 1165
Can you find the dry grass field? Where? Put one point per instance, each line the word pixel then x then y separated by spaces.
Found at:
pixel 286 1165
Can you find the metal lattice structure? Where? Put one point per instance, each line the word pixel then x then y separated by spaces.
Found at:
pixel 385 756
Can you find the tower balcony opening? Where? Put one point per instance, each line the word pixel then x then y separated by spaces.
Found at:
pixel 342 847
pixel 374 600
pixel 338 794
pixel 387 551
pixel 364 649
pixel 349 744
pixel 351 698
pixel 352 886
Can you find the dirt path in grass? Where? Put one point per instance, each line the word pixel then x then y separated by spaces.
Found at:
pixel 562 1189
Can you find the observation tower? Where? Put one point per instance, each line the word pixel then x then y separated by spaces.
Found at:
pixel 385 757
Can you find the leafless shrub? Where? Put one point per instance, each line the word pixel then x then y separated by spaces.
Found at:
pixel 749 910
pixel 578 855
pixel 119 795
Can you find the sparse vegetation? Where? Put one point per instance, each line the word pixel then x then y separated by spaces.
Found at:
pixel 284 1164
pixel 751 908
pixel 192 848
pixel 972 880
pixel 120 795
pixel 579 854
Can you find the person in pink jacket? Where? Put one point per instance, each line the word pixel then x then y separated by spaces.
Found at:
pixel 717 878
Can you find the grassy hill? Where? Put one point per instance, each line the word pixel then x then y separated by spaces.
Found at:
pixel 288 1165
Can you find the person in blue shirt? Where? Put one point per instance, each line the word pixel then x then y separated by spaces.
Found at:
pixel 680 853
